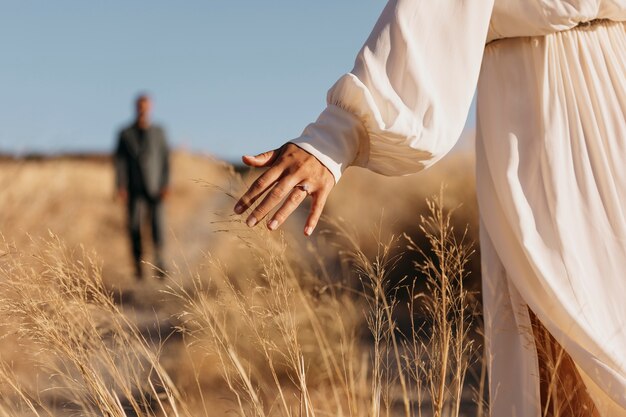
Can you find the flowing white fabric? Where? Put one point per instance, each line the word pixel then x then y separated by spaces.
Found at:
pixel 405 103
pixel 551 165
pixel 551 179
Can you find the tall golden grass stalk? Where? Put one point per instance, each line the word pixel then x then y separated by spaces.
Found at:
pixel 91 355
pixel 286 349
pixel 288 337
pixel 275 335
pixel 427 363
pixel 450 309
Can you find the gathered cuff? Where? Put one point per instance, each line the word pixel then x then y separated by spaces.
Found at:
pixel 337 139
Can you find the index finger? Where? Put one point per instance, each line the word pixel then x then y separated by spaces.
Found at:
pixel 258 187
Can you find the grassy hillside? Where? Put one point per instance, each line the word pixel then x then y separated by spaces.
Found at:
pixel 256 322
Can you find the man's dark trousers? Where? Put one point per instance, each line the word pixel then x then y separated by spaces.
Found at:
pixel 138 207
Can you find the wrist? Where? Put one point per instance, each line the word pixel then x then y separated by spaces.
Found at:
pixel 337 139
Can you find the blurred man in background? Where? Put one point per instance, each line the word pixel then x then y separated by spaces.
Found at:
pixel 142 177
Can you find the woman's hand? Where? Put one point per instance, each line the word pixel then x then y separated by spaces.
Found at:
pixel 294 174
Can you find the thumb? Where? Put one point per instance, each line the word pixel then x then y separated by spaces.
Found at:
pixel 260 160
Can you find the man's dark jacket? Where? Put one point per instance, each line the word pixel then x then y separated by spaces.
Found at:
pixel 142 161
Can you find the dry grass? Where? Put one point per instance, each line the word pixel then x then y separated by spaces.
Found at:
pixel 360 322
pixel 96 361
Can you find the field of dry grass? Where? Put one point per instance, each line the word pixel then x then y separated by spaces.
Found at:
pixel 357 321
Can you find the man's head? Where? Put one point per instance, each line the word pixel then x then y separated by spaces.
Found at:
pixel 143 106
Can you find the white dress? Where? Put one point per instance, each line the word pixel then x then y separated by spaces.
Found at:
pixel 551 165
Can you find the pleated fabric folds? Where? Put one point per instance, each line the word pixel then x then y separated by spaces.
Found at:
pixel 551 178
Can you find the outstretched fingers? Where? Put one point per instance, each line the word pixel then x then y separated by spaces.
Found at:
pixel 293 175
pixel 272 199
pixel 258 188
pixel 296 197
pixel 317 206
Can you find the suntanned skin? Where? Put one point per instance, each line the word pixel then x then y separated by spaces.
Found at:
pixel 288 166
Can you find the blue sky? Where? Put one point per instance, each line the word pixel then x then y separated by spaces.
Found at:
pixel 228 77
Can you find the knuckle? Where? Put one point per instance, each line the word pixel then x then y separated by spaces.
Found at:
pixel 280 217
pixel 280 159
pixel 295 198
pixel 246 198
pixel 259 184
pixel 297 165
pixel 277 193
pixel 258 212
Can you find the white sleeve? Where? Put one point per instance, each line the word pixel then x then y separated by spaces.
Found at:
pixel 404 104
